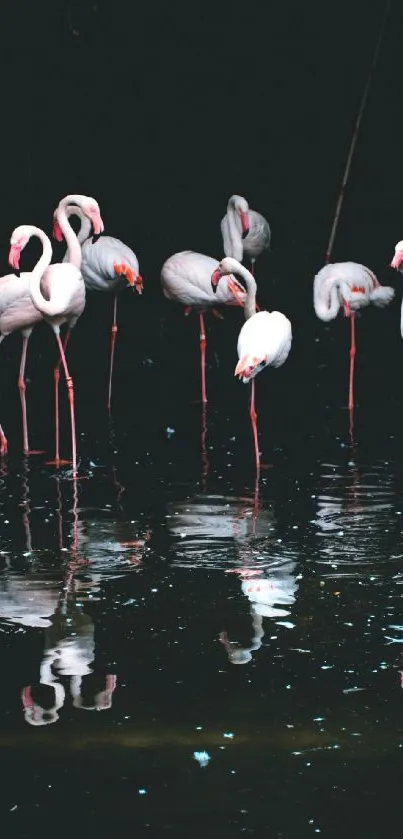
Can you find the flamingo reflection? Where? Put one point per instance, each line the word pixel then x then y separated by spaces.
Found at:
pixel 271 592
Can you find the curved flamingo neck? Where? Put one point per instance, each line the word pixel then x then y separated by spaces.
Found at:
pixel 74 255
pixel 46 256
pixel 85 224
pixel 251 288
pixel 326 304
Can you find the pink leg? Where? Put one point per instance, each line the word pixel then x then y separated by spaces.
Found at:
pixel 22 389
pixel 114 332
pixel 352 359
pixel 203 357
pixel 253 418
pixel 56 461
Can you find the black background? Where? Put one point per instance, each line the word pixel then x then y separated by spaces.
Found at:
pixel 162 111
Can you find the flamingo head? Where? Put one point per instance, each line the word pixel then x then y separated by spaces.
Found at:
pixel 249 366
pixel 398 257
pixel 19 239
pixel 228 265
pixel 91 209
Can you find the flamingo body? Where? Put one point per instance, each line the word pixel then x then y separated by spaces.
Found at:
pixel 186 279
pixel 244 231
pixel 264 340
pixel 17 311
pixel 349 285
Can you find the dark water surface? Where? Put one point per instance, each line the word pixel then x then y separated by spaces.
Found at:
pixel 241 642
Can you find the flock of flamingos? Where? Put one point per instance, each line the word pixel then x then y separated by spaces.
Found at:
pixel 56 293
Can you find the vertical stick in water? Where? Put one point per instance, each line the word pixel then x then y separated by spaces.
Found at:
pixel 355 135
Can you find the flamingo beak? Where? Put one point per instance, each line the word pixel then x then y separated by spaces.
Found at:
pixel 244 223
pixel 14 256
pixel 215 277
pixel 57 231
pixel 397 260
pixel 98 225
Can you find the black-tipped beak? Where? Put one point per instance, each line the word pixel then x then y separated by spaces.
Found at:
pixel 95 237
pixel 245 232
pixel 214 280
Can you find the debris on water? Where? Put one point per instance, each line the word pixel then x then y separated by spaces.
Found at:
pixel 202 758
pixel 169 432
pixel 353 690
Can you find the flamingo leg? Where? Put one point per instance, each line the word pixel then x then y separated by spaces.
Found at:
pixel 70 390
pixel 253 418
pixel 22 389
pixel 203 357
pixel 252 267
pixel 56 374
pixel 352 360
pixel 114 332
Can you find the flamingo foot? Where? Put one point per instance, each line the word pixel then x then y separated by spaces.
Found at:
pixel 123 270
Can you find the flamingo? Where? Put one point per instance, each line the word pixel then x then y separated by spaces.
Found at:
pixel 91 211
pixel 186 279
pixel 244 231
pixel 62 299
pixel 264 340
pixel 351 286
pixel 17 312
pixel 397 263
pixel 107 265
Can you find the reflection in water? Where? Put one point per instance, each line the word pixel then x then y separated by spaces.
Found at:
pixel 228 533
pixel 268 591
pixel 38 598
pixel 356 517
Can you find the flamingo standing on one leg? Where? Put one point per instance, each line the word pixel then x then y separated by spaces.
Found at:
pixel 351 286
pixel 244 231
pixel 264 340
pixel 397 263
pixel 107 265
pixel 58 294
pixel 186 279
pixel 91 211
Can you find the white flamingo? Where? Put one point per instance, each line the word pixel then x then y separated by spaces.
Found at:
pixel 264 340
pixel 350 286
pixel 108 265
pixel 186 279
pixel 244 231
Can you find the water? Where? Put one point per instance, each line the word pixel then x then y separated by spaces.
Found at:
pixel 240 641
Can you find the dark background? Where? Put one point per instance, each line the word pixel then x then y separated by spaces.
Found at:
pixel 163 110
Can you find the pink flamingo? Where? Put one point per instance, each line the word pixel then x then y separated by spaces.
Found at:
pixel 17 312
pixel 186 279
pixel 397 263
pixel 244 231
pixel 62 299
pixel 90 209
pixel 351 286
pixel 107 265
pixel 264 340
